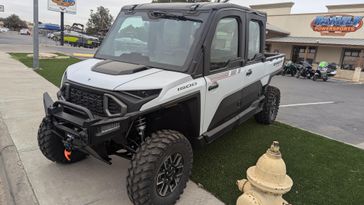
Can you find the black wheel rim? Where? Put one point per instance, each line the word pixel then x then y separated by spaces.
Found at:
pixel 169 174
pixel 273 110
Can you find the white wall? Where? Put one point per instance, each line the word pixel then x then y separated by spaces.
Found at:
pixel 283 48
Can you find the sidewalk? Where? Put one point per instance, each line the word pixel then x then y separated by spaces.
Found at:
pixel 86 182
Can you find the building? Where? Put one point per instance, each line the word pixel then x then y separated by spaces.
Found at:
pixel 336 36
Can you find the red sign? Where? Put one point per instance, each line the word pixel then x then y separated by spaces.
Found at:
pixel 337 25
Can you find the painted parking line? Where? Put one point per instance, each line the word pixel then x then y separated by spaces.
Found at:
pixel 306 104
pixel 83 55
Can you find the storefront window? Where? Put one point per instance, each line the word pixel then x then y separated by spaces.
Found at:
pixel 351 59
pixel 304 53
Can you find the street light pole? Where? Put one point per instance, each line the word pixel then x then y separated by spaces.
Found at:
pixel 35 36
pixel 62 28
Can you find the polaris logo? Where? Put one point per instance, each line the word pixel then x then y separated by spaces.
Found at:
pixel 187 86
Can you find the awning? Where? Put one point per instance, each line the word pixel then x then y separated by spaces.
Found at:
pixel 318 41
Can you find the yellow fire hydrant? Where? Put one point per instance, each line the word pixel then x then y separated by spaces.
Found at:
pixel 267 181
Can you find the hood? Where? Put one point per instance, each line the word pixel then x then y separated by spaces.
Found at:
pixel 106 74
pixel 163 79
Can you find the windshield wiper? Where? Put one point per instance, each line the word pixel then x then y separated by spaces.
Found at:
pixel 160 14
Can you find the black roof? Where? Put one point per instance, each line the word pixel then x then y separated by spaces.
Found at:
pixel 201 6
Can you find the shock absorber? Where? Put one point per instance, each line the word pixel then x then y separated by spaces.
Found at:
pixel 140 126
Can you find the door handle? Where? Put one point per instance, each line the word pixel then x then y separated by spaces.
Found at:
pixel 213 86
pixel 249 72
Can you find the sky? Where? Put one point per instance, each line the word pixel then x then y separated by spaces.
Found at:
pixel 24 8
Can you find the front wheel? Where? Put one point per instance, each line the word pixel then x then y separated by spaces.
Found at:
pixel 160 169
pixel 325 78
pixel 52 146
pixel 270 106
pixel 314 78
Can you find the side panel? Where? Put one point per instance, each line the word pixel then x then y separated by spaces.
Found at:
pixel 178 90
pixel 236 103
pixel 230 83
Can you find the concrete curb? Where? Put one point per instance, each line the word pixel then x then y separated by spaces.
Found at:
pixel 18 188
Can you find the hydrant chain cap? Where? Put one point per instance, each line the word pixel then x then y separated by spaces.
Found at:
pixel 269 174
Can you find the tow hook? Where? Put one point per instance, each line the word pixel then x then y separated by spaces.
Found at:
pixel 67 154
pixel 68 147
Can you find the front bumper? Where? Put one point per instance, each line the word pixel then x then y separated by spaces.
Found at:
pixel 80 129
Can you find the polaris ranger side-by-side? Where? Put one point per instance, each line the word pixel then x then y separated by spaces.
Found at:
pixel 168 77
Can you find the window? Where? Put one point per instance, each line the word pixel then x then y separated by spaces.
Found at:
pixel 304 53
pixel 224 46
pixel 151 41
pixel 268 47
pixel 254 39
pixel 351 59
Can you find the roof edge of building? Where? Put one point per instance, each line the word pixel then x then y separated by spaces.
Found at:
pixel 317 40
pixel 343 6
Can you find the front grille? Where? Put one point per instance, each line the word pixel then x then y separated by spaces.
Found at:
pixel 92 100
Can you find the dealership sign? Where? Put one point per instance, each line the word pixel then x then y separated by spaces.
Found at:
pixel 65 6
pixel 337 25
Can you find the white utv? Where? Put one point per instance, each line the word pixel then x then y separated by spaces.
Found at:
pixel 168 77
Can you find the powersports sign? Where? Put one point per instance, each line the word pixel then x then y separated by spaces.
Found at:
pixel 337 25
pixel 65 6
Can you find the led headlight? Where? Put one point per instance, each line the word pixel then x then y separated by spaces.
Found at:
pixel 144 93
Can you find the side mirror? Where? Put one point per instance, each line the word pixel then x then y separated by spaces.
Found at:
pixel 237 62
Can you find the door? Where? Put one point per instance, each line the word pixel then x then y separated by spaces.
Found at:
pixel 233 72
pixel 304 53
pixel 224 71
pixel 256 67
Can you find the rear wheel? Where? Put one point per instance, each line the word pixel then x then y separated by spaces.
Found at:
pixel 160 169
pixel 52 146
pixel 314 78
pixel 270 106
pixel 293 73
pixel 325 78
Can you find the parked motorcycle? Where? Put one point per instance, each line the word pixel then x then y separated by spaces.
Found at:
pixel 321 71
pixel 289 68
pixel 305 70
pixel 331 69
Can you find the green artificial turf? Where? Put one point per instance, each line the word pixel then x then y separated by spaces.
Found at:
pixel 325 172
pixel 50 69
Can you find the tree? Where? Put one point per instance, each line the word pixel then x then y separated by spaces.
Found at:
pixel 13 22
pixel 99 21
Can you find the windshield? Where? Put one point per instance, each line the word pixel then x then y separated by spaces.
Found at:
pixel 162 41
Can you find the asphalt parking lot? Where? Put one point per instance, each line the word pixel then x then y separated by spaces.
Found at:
pixel 334 109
